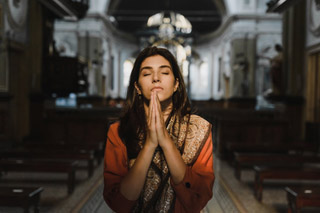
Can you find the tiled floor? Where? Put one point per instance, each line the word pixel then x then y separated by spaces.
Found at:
pixel 220 203
pixel 241 191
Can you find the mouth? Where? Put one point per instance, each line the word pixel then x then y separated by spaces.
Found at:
pixel 157 89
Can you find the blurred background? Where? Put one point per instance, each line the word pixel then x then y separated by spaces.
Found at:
pixel 251 68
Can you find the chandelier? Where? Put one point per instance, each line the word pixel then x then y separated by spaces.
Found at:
pixel 170 24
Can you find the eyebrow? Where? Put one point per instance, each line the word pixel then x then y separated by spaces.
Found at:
pixel 150 68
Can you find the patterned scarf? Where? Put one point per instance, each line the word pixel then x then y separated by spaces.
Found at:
pixel 189 136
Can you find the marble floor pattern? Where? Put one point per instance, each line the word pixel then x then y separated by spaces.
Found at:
pixel 229 194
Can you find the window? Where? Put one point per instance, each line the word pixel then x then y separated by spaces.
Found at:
pixel 204 75
pixel 127 68
pixel 199 78
pixel 111 72
pixel 69 102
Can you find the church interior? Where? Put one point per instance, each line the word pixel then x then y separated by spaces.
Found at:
pixel 251 68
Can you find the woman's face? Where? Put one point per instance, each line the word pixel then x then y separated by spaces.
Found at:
pixel 156 75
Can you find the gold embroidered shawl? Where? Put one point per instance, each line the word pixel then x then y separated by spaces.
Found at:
pixel 189 137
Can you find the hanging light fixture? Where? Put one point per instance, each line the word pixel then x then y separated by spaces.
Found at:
pixel 169 24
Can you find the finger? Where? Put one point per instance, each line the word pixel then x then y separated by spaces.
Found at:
pixel 153 111
pixel 158 106
pixel 156 116
pixel 150 117
pixel 153 121
pixel 159 117
pixel 150 108
pixel 161 128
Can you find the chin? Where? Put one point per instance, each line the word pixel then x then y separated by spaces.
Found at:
pixel 161 98
pixel 165 99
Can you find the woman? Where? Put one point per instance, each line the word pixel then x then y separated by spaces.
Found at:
pixel 158 158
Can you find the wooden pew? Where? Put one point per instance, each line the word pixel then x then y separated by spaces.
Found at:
pixel 306 172
pixel 300 197
pixel 50 154
pixel 298 147
pixel 97 148
pixel 242 160
pixel 68 167
pixel 24 197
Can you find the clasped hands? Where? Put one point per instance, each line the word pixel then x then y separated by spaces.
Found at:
pixel 157 134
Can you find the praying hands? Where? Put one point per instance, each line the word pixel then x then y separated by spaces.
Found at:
pixel 157 132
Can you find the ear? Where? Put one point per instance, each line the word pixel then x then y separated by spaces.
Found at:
pixel 137 88
pixel 176 85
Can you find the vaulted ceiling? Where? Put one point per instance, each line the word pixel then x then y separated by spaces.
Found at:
pixel 131 15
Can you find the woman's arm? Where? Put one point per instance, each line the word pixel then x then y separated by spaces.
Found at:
pixel 192 184
pixel 195 190
pixel 121 185
pixel 176 165
pixel 132 184
pixel 115 168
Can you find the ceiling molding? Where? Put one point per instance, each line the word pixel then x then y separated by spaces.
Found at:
pixel 230 19
pixel 279 6
pixel 221 6
pixel 132 16
pixel 67 9
pixel 116 32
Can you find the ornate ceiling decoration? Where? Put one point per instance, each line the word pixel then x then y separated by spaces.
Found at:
pixel 17 13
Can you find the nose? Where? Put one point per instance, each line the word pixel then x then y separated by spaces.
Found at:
pixel 156 78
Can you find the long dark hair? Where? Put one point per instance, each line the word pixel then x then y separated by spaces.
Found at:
pixel 132 127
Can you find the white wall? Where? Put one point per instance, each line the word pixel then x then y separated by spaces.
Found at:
pixel 98 6
pixel 250 21
pixel 312 24
pixel 245 6
pixel 103 40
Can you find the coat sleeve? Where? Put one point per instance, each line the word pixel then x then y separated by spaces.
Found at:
pixel 195 190
pixel 115 168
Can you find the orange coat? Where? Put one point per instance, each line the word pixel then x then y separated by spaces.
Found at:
pixel 192 194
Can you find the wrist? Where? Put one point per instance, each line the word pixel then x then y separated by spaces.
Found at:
pixel 167 144
pixel 150 147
